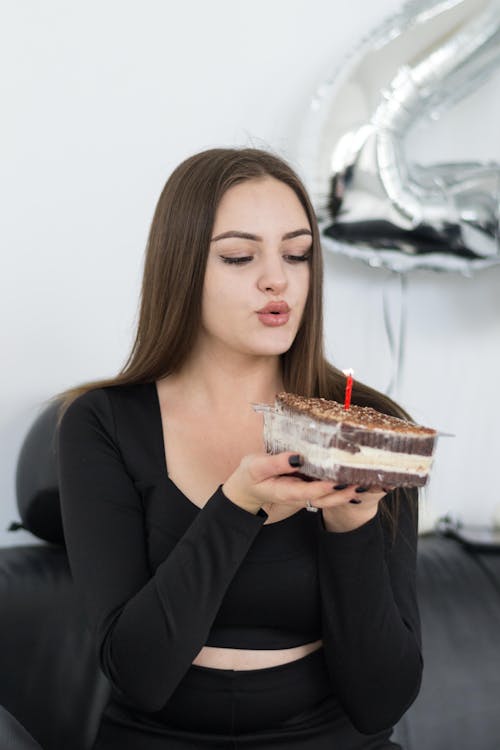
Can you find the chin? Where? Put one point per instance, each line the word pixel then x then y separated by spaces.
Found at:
pixel 273 347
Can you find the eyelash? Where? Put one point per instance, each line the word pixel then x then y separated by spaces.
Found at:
pixel 245 259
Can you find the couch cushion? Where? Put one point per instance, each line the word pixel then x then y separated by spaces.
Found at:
pixel 459 702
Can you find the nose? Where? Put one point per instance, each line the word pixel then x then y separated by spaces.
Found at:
pixel 273 277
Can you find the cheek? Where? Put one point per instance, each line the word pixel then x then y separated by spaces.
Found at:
pixel 234 290
pixel 221 303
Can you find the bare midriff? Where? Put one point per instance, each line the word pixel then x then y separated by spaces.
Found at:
pixel 236 658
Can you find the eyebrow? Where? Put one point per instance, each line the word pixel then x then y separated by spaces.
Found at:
pixel 248 236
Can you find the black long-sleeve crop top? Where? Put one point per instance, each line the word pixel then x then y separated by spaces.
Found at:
pixel 160 577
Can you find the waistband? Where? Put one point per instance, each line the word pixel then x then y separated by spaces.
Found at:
pixel 234 701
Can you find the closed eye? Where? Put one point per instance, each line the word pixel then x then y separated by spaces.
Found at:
pixel 236 261
pixel 247 258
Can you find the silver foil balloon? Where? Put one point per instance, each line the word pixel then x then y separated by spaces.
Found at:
pixel 371 202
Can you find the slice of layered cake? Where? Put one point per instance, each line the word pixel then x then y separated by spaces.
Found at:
pixel 358 445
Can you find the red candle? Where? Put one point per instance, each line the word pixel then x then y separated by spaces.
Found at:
pixel 348 387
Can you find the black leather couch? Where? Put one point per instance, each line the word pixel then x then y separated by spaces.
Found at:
pixel 52 692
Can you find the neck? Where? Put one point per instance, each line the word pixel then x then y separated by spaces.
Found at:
pixel 228 386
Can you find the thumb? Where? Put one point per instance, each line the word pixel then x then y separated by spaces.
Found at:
pixel 264 467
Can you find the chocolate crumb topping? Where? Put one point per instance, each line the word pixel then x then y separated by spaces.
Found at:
pixel 362 417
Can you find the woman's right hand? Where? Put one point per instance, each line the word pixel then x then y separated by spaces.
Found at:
pixel 262 478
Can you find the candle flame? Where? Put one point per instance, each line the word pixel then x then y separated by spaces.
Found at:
pixel 348 372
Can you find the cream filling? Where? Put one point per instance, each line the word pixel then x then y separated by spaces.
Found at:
pixel 367 458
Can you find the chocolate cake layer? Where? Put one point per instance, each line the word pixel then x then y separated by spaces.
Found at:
pixel 360 425
pixel 342 474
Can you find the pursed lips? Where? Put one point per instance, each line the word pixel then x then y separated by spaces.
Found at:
pixel 275 308
pixel 275 314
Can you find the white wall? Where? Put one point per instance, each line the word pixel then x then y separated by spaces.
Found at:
pixel 101 100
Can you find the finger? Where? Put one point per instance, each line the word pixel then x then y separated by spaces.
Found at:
pixel 373 492
pixel 371 498
pixel 262 466
pixel 325 492
pixel 344 488
pixel 374 489
pixel 290 489
pixel 378 488
pixel 365 488
pixel 336 499
pixel 357 488
pixel 316 492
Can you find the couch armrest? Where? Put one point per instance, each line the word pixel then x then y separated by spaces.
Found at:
pixel 51 681
pixel 13 736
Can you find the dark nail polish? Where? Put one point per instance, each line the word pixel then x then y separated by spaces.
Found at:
pixel 357 502
pixel 361 489
pixel 340 486
pixel 296 460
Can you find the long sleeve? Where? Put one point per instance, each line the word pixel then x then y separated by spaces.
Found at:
pixel 147 628
pixel 370 619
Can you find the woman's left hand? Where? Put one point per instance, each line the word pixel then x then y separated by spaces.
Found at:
pixel 349 515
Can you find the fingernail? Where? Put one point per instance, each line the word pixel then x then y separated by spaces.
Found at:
pixel 340 486
pixel 361 489
pixel 357 502
pixel 296 460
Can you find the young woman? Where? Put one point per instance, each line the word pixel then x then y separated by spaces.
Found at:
pixel 224 614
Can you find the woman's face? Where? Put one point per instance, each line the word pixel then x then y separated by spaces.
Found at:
pixel 269 264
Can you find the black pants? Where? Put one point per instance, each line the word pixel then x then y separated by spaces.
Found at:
pixel 289 706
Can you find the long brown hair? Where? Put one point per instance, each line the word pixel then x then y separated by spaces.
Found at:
pixel 172 285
